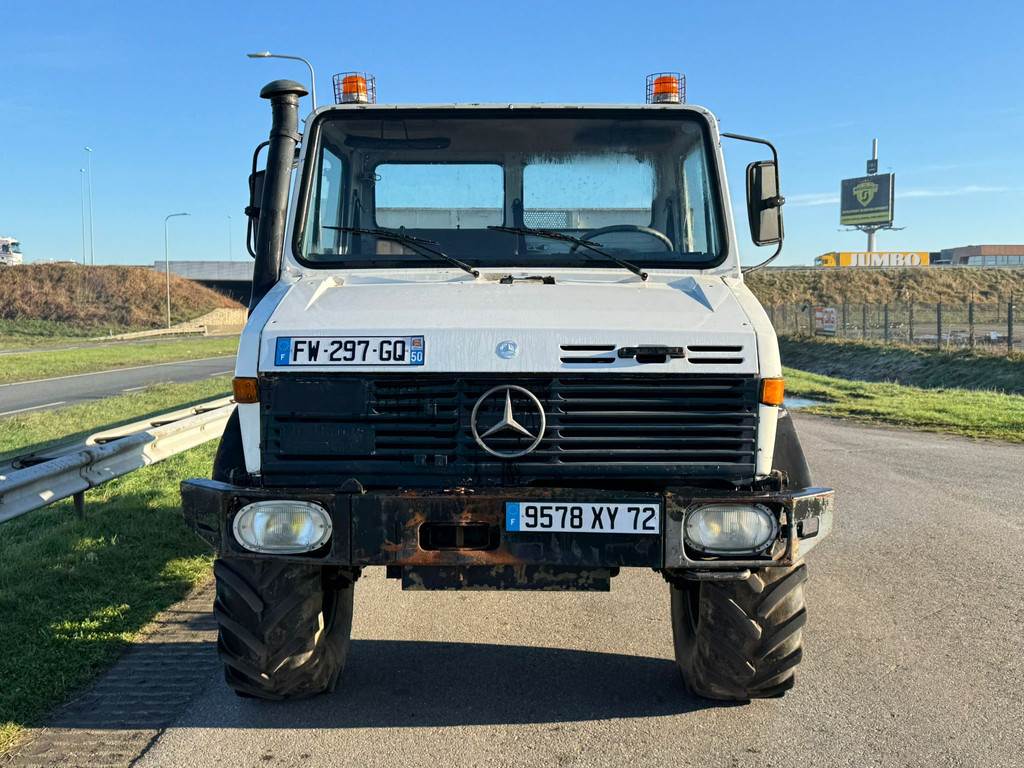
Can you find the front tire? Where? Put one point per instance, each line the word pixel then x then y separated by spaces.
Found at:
pixel 284 628
pixel 740 640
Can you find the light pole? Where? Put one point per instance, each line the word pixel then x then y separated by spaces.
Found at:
pixel 167 264
pixel 81 176
pixel 92 235
pixel 231 248
pixel 312 74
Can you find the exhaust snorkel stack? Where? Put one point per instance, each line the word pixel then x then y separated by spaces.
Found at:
pixel 284 98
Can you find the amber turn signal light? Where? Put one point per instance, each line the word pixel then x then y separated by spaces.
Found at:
pixel 246 390
pixel 772 391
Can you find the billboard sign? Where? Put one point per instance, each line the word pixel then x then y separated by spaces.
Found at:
pixel 866 200
pixel 825 319
pixel 874 259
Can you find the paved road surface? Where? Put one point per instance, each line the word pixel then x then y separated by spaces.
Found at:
pixel 67 390
pixel 914 654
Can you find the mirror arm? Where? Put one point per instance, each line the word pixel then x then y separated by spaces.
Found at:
pixel 779 198
pixel 252 210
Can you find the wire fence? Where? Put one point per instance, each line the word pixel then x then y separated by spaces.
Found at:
pixel 993 326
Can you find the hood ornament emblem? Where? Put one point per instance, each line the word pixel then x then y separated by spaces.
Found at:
pixel 507 349
pixel 508 424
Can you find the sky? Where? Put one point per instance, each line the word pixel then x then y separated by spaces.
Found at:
pixel 168 102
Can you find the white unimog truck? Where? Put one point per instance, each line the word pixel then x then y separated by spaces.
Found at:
pixel 506 347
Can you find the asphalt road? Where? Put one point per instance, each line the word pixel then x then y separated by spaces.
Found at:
pixel 67 390
pixel 913 653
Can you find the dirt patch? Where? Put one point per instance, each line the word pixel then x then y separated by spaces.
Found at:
pixel 100 299
pixel 880 286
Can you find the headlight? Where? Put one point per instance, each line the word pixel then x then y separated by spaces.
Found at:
pixel 282 527
pixel 730 529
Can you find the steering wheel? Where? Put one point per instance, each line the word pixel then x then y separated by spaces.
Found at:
pixel 590 235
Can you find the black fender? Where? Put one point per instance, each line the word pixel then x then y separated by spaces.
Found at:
pixel 789 455
pixel 229 462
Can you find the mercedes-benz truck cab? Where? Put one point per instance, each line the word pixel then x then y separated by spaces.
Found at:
pixel 506 347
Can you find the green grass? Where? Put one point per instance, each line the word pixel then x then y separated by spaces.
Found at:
pixel 28 333
pixel 914 366
pixel 973 413
pixel 37 429
pixel 74 592
pixel 27 366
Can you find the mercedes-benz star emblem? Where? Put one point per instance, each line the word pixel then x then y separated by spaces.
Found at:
pixel 508 425
pixel 507 349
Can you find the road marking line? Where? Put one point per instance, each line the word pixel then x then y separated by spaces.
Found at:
pixel 32 408
pixel 118 370
pixel 135 389
pixel 219 373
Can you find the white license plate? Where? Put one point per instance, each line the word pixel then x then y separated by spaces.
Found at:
pixel 583 517
pixel 350 350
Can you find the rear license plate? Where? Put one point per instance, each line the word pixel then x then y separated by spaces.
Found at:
pixel 583 517
pixel 350 350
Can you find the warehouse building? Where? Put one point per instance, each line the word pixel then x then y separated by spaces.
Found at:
pixel 983 256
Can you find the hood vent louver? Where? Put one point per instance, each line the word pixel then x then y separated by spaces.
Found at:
pixel 709 354
pixel 695 354
pixel 588 354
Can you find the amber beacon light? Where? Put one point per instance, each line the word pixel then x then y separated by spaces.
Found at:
pixel 666 88
pixel 355 88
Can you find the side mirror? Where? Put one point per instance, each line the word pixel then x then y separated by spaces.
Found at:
pixel 764 203
pixel 252 210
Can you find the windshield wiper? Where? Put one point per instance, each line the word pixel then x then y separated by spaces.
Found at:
pixel 580 242
pixel 418 244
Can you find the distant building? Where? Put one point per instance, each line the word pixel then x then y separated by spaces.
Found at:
pixel 984 255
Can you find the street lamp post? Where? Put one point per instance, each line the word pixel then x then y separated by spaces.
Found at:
pixel 312 74
pixel 81 175
pixel 167 264
pixel 92 235
pixel 231 248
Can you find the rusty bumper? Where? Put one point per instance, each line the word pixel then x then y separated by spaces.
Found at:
pixel 437 528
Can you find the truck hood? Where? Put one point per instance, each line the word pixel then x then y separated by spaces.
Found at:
pixel 464 320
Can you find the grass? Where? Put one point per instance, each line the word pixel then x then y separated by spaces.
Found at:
pixel 74 592
pixel 73 300
pixel 37 429
pixel 27 366
pixel 878 286
pixel 27 333
pixel 972 413
pixel 914 366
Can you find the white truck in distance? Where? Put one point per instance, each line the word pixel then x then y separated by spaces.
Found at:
pixel 506 347
pixel 10 252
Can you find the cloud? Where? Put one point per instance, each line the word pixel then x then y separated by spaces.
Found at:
pixel 830 198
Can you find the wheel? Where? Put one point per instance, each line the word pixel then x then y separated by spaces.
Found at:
pixel 284 628
pixel 740 640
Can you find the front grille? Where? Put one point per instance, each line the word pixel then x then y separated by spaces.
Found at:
pixel 414 430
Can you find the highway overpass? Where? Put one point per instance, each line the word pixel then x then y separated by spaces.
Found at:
pixel 233 278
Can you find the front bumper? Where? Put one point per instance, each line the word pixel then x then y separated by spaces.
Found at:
pixel 388 528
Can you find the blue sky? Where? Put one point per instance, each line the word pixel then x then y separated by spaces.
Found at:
pixel 166 98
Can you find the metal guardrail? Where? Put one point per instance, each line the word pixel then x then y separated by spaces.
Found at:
pixel 78 470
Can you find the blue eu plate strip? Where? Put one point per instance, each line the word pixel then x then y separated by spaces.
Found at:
pixel 283 351
pixel 511 515
pixel 417 355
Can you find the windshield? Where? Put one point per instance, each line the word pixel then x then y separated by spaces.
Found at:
pixel 638 184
